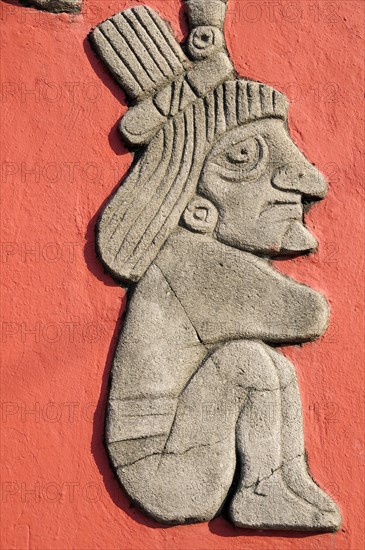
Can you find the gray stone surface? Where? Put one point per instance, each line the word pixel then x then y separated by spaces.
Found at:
pixel 204 413
pixel 55 6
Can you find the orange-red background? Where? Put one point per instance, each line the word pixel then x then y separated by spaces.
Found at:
pixel 62 158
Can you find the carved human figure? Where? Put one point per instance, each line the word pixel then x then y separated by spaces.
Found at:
pixel 203 411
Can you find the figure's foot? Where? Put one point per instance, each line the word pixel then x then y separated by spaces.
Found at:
pixel 272 505
pixel 296 476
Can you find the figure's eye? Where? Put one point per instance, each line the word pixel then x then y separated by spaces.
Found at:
pixel 244 160
pixel 246 153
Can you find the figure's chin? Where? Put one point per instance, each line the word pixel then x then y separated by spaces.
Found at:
pixel 297 240
pixel 290 239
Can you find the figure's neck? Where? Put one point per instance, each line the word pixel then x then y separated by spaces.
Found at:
pixel 204 252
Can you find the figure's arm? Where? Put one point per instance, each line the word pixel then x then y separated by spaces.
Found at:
pixel 230 294
pixel 286 310
pixel 258 302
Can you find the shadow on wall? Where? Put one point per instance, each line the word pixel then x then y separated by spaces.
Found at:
pixel 220 525
pixel 93 263
pixel 102 73
pixel 14 3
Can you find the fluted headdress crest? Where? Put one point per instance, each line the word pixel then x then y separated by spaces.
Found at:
pixel 159 76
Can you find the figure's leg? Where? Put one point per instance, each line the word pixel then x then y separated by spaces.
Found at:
pixel 185 475
pixel 294 466
pixel 272 494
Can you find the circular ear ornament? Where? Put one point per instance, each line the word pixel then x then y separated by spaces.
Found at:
pixel 200 216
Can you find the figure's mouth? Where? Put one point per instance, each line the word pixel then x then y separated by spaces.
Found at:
pixel 271 204
pixel 283 210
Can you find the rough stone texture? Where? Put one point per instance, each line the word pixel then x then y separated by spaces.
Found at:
pixel 203 412
pixel 55 6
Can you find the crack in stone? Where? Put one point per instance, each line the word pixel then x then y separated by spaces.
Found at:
pixel 140 438
pixel 194 373
pixel 265 478
pixel 143 415
pixel 174 453
pixel 247 388
pixel 170 432
pixel 252 388
pixel 183 308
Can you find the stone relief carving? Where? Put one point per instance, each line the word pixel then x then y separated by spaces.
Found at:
pixel 204 413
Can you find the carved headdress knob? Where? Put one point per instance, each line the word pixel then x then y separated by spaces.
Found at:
pixel 206 19
pixel 207 13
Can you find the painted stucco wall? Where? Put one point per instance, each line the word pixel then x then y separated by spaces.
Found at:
pixel 61 159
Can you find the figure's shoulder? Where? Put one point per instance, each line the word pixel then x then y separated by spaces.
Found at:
pixel 155 304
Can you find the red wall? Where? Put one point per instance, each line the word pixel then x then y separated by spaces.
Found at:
pixel 62 158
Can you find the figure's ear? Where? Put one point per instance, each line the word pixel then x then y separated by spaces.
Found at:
pixel 200 215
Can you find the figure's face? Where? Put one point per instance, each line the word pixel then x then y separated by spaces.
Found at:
pixel 259 181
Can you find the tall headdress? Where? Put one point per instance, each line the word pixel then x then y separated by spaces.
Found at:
pixel 182 100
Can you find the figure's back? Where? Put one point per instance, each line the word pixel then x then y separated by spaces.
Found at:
pixel 158 346
pixel 157 354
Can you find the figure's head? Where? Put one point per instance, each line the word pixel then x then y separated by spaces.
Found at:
pixel 215 153
pixel 259 181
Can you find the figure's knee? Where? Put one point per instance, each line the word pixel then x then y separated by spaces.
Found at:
pixel 247 364
pixel 285 369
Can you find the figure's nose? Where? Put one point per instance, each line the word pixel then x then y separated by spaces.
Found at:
pixel 301 177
